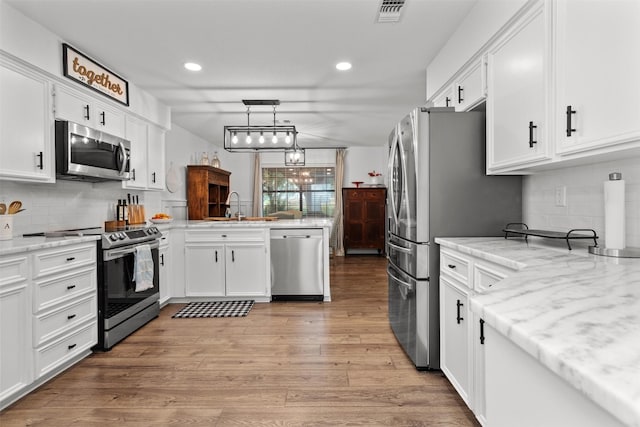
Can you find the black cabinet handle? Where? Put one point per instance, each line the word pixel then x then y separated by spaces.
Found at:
pixel 460 98
pixel 72 346
pixel 161 259
pixel 70 287
pixel 153 177
pixel 223 235
pixel 458 305
pixel 71 316
pixel 71 258
pixel 216 256
pixel 481 331
pixel 133 174
pixel 570 129
pixel 40 166
pixel 531 128
pixel 447 100
pixel 103 119
pixel 451 266
pixel 86 112
pixel 233 256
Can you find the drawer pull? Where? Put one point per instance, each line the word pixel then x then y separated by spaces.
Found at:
pixel 223 235
pixel 71 347
pixel 451 266
pixel 70 287
pixel 71 258
pixel 71 316
pixel 458 305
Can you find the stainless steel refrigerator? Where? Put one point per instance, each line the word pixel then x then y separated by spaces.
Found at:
pixel 437 188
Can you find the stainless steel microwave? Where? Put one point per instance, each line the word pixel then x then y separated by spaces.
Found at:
pixel 86 154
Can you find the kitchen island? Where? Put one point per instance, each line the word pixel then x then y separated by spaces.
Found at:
pixel 562 334
pixel 230 259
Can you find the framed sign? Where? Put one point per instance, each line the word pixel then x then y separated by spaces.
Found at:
pixel 89 73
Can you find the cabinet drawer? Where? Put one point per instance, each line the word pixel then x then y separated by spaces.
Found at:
pixel 224 235
pixel 13 270
pixel 485 276
pixel 48 325
pixel 455 266
pixel 373 194
pixel 63 287
pixel 62 259
pixel 51 356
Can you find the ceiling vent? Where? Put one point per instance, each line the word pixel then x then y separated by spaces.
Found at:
pixel 390 11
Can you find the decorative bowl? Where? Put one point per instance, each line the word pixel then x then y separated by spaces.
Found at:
pixel 160 220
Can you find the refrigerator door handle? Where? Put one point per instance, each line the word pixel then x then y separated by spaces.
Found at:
pixel 396 279
pixel 392 188
pixel 399 248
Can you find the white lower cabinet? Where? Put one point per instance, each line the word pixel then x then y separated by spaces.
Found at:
pixel 165 268
pixel 462 348
pixel 454 334
pixel 522 392
pixel 16 352
pixel 227 263
pixel 48 315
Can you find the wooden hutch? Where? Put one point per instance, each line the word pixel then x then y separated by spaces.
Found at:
pixel 207 191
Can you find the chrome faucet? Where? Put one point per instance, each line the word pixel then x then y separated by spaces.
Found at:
pixel 229 202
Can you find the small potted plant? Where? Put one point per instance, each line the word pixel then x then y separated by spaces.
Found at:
pixel 375 177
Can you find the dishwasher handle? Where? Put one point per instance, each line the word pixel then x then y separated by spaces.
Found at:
pixel 285 236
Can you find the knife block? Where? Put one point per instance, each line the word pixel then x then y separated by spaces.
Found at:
pixel 136 214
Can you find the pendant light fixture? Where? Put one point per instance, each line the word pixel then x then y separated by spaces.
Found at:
pixel 282 136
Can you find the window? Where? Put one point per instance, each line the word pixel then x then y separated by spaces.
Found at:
pixel 308 189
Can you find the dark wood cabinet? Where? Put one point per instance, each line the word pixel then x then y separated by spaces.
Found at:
pixel 364 218
pixel 207 191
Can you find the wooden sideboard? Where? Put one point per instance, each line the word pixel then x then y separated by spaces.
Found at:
pixel 364 218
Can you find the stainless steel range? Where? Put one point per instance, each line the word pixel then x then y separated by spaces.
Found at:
pixel 121 309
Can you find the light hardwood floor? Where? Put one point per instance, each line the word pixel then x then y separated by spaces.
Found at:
pixel 285 364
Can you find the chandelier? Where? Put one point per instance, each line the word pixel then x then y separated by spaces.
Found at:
pixel 260 137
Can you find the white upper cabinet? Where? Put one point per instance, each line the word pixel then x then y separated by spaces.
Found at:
pixel 597 54
pixel 26 125
pixel 137 134
pixel 156 158
pixel 469 88
pixel 83 109
pixel 517 124
pixel 445 98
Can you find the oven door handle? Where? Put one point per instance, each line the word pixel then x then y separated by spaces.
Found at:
pixel 112 254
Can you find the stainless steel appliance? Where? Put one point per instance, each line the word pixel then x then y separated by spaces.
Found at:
pixel 121 310
pixel 297 264
pixel 437 187
pixel 86 154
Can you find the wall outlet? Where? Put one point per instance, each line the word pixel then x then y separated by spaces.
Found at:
pixel 561 195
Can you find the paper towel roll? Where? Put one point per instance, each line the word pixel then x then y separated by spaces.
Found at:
pixel 614 230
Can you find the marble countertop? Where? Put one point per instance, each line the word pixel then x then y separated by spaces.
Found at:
pixel 281 223
pixel 24 244
pixel 577 314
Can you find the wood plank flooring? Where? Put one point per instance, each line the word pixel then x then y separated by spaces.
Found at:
pixel 285 364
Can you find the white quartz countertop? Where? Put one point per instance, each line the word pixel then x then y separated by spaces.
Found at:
pixel 24 244
pixel 577 314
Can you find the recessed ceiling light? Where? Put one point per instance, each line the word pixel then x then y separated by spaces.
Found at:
pixel 343 66
pixel 192 66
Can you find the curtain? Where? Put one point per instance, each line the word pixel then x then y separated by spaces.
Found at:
pixel 338 228
pixel 257 186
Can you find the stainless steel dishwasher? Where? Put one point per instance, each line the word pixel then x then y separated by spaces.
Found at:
pixel 297 264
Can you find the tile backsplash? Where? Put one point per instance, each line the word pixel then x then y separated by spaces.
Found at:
pixel 68 204
pixel 584 198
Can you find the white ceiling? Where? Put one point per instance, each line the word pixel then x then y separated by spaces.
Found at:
pixel 264 49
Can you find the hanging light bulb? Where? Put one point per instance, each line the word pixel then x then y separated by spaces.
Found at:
pixel 274 139
pixel 261 139
pixel 234 139
pixel 287 138
pixel 248 138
